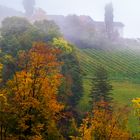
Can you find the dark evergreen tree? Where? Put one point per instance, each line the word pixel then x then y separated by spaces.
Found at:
pixel 109 19
pixel 101 87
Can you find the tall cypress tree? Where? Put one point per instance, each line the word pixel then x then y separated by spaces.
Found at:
pixel 109 19
pixel 29 7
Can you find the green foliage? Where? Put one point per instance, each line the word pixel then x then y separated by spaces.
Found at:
pixel 71 91
pixel 14 26
pixel 73 79
pixel 19 34
pixel 49 28
pixel 14 30
pixel 29 37
pixel 10 45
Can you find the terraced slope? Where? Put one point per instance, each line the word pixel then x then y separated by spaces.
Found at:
pixel 119 64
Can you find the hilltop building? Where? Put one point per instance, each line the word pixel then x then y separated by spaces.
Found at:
pixel 83 20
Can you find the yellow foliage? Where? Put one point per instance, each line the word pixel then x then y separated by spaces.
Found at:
pixel 36 137
pixel 3 101
pixel 103 125
pixel 62 44
pixel 1 67
pixel 136 104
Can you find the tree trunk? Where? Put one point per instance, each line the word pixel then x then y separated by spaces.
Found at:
pixel 1 132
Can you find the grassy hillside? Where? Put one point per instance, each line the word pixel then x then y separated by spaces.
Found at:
pixel 124 72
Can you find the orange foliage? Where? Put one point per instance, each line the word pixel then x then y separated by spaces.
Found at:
pixel 34 89
pixel 103 125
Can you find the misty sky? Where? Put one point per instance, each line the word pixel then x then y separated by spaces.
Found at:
pixel 126 11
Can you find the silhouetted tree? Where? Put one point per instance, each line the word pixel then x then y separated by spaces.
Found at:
pixel 29 6
pixel 109 19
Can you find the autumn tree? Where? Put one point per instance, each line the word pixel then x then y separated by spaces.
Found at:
pixel 3 104
pixel 34 90
pixel 109 19
pixel 104 125
pixel 101 87
pixel 5 116
pixel 29 7
pixel 17 34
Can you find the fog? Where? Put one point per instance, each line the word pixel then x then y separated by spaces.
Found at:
pixel 125 11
